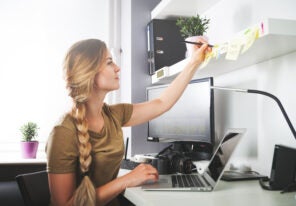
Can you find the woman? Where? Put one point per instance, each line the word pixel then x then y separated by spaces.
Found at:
pixel 85 148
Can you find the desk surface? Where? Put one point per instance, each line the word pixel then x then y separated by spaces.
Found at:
pixel 243 193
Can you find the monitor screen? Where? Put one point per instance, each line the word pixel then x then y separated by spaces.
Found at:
pixel 191 119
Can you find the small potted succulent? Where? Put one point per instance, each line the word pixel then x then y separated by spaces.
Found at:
pixel 29 144
pixel 192 28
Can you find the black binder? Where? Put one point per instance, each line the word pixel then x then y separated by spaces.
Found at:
pixel 164 44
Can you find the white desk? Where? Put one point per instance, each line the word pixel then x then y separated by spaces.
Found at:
pixel 242 193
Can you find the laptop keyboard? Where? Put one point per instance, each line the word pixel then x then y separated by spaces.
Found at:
pixel 191 180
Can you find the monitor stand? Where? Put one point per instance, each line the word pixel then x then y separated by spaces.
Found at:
pixel 195 150
pixel 179 156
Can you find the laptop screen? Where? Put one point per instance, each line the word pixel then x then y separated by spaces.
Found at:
pixel 222 154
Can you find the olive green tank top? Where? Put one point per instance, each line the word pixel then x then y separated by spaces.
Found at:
pixel 107 146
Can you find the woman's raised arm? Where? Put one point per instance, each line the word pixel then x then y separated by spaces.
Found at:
pixel 146 111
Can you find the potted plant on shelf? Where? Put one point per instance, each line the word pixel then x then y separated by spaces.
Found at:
pixel 192 28
pixel 29 145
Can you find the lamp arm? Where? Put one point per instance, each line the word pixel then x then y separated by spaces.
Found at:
pixel 265 94
pixel 279 104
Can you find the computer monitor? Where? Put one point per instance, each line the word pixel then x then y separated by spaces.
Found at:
pixel 190 121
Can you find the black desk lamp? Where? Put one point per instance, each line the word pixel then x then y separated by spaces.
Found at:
pixel 265 94
pixel 283 175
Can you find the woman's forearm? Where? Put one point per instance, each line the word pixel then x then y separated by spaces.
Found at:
pixel 173 92
pixel 138 176
pixel 110 190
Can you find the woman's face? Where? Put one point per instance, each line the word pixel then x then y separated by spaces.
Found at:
pixel 107 78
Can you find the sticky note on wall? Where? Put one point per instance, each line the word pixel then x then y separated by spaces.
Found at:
pixel 249 37
pixel 233 49
pixel 208 57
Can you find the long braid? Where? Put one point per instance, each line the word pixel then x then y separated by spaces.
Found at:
pixel 83 137
pixel 85 194
pixel 81 65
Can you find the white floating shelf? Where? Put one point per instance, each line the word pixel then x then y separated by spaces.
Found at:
pixel 167 9
pixel 278 38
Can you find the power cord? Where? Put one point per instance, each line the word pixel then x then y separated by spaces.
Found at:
pixel 265 184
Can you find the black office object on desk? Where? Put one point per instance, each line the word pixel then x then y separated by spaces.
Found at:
pixel 239 175
pixel 126 148
pixel 128 164
pixel 283 170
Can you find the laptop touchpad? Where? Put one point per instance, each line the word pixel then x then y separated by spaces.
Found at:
pixel 149 182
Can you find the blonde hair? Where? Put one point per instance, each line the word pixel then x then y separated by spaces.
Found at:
pixel 81 66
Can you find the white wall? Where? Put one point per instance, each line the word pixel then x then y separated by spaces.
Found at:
pixel 261 115
pixel 277 76
pixel 228 17
pixel 34 38
pixel 134 68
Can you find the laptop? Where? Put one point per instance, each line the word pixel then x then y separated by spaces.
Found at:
pixel 208 180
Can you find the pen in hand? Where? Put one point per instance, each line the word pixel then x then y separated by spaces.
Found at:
pixel 197 43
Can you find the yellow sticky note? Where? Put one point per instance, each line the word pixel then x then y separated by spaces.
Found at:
pixel 208 57
pixel 233 49
pixel 223 48
pixel 250 37
pixel 215 52
pixel 219 49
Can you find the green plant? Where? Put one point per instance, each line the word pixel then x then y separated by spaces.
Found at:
pixel 192 26
pixel 29 131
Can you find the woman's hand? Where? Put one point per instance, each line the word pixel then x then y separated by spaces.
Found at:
pixel 145 111
pixel 142 174
pixel 199 52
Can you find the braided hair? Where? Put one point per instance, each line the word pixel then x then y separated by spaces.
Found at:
pixel 80 66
